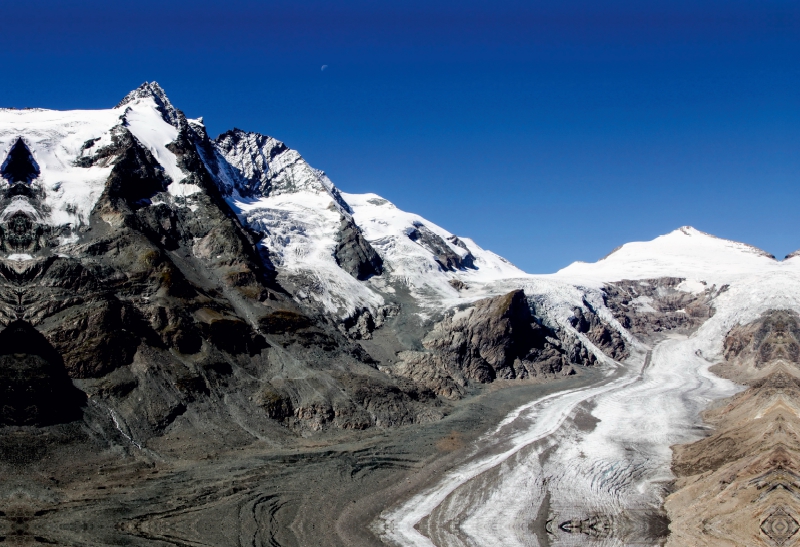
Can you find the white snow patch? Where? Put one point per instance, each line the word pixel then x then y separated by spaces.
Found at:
pixel 386 228
pixel 178 189
pixel 55 139
pixel 300 233
pixel 685 252
pixel 148 126
pixel 692 286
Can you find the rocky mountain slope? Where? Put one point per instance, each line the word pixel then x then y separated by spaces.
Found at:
pixel 739 485
pixel 225 288
pixel 170 302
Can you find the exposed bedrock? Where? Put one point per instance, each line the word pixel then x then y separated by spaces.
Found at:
pixel 34 386
pixel 496 338
pixel 363 322
pixel 600 333
pixel 354 254
pixel 741 485
pixel 749 350
pixel 443 253
pixel 650 306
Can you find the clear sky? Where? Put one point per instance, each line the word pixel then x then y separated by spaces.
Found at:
pixel 547 131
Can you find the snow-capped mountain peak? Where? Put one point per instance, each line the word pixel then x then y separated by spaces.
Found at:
pixel 264 166
pixel 685 252
pixel 151 90
pixel 309 225
pixel 340 252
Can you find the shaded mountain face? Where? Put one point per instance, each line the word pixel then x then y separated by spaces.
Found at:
pixel 19 165
pixel 36 389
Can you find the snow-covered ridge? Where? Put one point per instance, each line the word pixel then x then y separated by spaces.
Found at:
pixel 685 252
pixel 153 92
pixel 296 207
pixel 301 214
pixel 299 210
pixel 57 139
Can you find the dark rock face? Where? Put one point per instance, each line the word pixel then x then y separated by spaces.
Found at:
pixel 258 180
pixel 467 261
pixel 654 305
pixel 136 176
pixel 776 336
pixel 34 386
pixel 19 166
pixel 497 338
pixel 445 256
pixel 601 334
pixel 354 254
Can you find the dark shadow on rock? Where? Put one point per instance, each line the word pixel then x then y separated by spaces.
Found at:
pixel 19 165
pixel 34 386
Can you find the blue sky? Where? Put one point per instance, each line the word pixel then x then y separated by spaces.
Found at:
pixel 547 131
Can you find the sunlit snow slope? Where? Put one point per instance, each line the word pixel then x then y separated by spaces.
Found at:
pixel 685 252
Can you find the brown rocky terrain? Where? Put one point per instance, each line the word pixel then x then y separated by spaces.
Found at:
pixel 740 485
pixel 495 338
pixel 648 306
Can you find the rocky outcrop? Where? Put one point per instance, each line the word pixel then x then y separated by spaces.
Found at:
pixel 361 324
pixel 775 337
pixel 601 335
pixel 354 254
pixel 443 253
pixel 650 306
pixel 257 165
pixel 496 338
